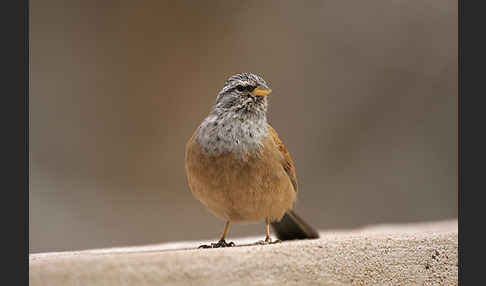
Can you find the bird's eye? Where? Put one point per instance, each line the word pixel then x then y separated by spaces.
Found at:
pixel 245 87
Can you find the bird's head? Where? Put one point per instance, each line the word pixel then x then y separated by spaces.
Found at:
pixel 243 93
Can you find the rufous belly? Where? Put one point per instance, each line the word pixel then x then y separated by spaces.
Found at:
pixel 241 189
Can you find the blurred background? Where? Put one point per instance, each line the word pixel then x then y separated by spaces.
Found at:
pixel 364 97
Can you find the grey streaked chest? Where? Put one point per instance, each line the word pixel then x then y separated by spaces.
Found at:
pixel 220 135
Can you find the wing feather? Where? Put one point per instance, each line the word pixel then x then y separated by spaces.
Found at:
pixel 287 163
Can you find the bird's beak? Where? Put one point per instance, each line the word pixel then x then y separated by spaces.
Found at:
pixel 262 90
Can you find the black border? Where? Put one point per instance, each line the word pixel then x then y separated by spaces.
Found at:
pixel 14 122
pixel 471 141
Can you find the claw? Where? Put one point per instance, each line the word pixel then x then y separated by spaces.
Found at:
pixel 268 240
pixel 221 243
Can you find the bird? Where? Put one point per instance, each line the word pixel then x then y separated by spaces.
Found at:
pixel 238 167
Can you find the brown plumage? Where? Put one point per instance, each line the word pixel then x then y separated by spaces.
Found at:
pixel 239 168
pixel 287 163
pixel 246 189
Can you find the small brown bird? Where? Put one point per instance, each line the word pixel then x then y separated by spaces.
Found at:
pixel 238 167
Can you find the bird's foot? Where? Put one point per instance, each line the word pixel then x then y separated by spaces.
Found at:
pixel 268 240
pixel 221 243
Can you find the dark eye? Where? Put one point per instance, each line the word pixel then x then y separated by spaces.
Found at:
pixel 245 88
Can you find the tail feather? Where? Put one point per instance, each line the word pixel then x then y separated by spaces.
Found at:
pixel 293 227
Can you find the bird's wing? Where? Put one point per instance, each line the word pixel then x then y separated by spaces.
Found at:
pixel 287 163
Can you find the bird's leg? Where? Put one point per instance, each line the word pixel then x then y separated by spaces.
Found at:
pixel 267 231
pixel 222 242
pixel 268 239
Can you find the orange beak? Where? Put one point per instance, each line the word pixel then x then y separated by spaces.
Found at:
pixel 261 91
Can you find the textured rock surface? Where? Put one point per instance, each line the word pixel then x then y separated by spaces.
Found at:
pixel 415 254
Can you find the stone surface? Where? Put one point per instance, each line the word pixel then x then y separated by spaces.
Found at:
pixel 414 254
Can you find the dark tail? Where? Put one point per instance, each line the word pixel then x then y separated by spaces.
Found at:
pixel 293 227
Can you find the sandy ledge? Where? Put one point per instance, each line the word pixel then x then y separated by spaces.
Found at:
pixel 411 254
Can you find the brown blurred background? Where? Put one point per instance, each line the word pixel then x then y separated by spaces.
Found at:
pixel 365 98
